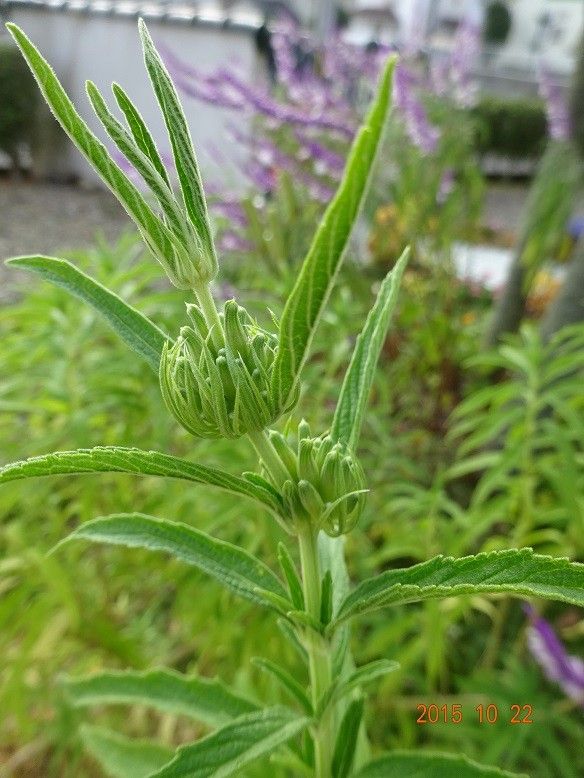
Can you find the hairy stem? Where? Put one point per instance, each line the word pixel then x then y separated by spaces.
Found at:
pixel 318 650
pixel 207 303
pixel 269 456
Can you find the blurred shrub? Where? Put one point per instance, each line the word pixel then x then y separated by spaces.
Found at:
pixel 514 127
pixel 18 97
pixel 577 101
pixel 497 24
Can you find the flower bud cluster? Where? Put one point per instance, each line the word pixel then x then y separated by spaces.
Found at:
pixel 187 262
pixel 327 484
pixel 221 391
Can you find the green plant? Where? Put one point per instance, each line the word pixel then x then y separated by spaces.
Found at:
pixel 226 377
pixel 515 128
pixel 18 100
pixel 497 23
pixel 523 437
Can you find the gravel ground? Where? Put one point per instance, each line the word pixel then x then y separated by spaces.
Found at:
pixel 49 218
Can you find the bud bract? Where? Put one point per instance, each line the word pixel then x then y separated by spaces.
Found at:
pixel 221 392
pixel 327 483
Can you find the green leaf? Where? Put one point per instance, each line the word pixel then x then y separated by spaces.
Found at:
pixel 115 459
pixel 230 749
pixel 182 146
pixel 230 565
pixel 206 700
pixel 430 765
pixel 519 572
pixel 291 574
pixel 356 387
pixel 157 236
pixel 364 675
pixel 143 164
pixel 139 131
pixel 140 334
pixel 317 276
pixel 344 753
pixel 284 678
pixel 326 598
pixel 123 758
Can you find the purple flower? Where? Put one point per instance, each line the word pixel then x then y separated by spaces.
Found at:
pixel 228 242
pixel 463 58
pixel 422 134
pixel 557 111
pixel 231 210
pixel 558 666
pixel 447 183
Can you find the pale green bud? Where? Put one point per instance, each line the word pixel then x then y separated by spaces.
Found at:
pixel 327 485
pixel 221 392
pixel 185 267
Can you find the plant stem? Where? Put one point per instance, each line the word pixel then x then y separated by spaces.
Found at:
pixel 318 650
pixel 209 309
pixel 269 456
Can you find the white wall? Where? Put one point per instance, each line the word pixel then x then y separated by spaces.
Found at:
pixel 526 46
pixel 106 48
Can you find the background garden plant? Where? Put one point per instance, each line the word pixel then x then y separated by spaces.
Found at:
pixel 224 376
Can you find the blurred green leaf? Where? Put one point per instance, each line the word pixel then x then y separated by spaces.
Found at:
pixel 123 758
pixel 430 765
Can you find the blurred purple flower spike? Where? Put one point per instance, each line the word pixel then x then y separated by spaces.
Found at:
pixel 556 108
pixel 422 134
pixel 558 666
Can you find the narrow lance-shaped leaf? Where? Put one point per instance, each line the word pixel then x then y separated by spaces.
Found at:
pixel 519 572
pixel 317 276
pixel 430 765
pixel 116 459
pixel 230 565
pixel 140 334
pixel 142 163
pixel 158 237
pixel 123 758
pixel 359 377
pixel 139 131
pixel 235 746
pixel 206 700
pixel 344 753
pixel 364 675
pixel 182 146
pixel 288 683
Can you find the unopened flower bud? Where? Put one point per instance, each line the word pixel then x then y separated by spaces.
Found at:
pixel 327 485
pixel 221 391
